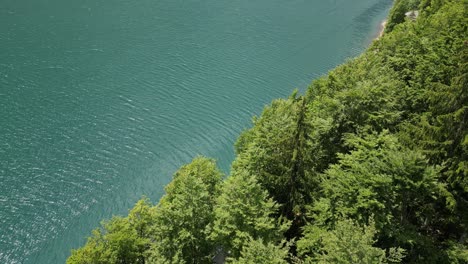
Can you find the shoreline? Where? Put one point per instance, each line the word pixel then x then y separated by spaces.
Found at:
pixel 381 29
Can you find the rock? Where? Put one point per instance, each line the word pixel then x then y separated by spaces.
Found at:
pixel 413 14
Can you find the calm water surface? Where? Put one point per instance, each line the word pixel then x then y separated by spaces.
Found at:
pixel 101 101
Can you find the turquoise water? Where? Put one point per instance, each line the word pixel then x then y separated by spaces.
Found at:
pixel 102 101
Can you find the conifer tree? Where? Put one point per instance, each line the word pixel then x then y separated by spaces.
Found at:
pixel 275 150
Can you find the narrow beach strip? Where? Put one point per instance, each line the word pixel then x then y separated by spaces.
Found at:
pixel 382 28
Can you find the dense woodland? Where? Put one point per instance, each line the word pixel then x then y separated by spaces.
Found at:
pixel 368 166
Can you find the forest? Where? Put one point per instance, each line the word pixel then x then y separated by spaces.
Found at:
pixel 369 165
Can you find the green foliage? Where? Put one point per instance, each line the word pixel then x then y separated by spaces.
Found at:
pixel 457 253
pixel 275 150
pixel 430 56
pixel 244 212
pixel 116 242
pixel 359 96
pixel 346 243
pixel 425 52
pixel 184 213
pixel 397 13
pixel 141 217
pixel 256 251
pixel 445 134
pixel 382 178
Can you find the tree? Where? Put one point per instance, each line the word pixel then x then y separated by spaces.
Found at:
pixel 384 179
pixel 397 13
pixel 275 150
pixel 346 243
pixel 115 242
pixel 244 212
pixel 256 251
pixel 141 217
pixel 443 131
pixel 184 213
